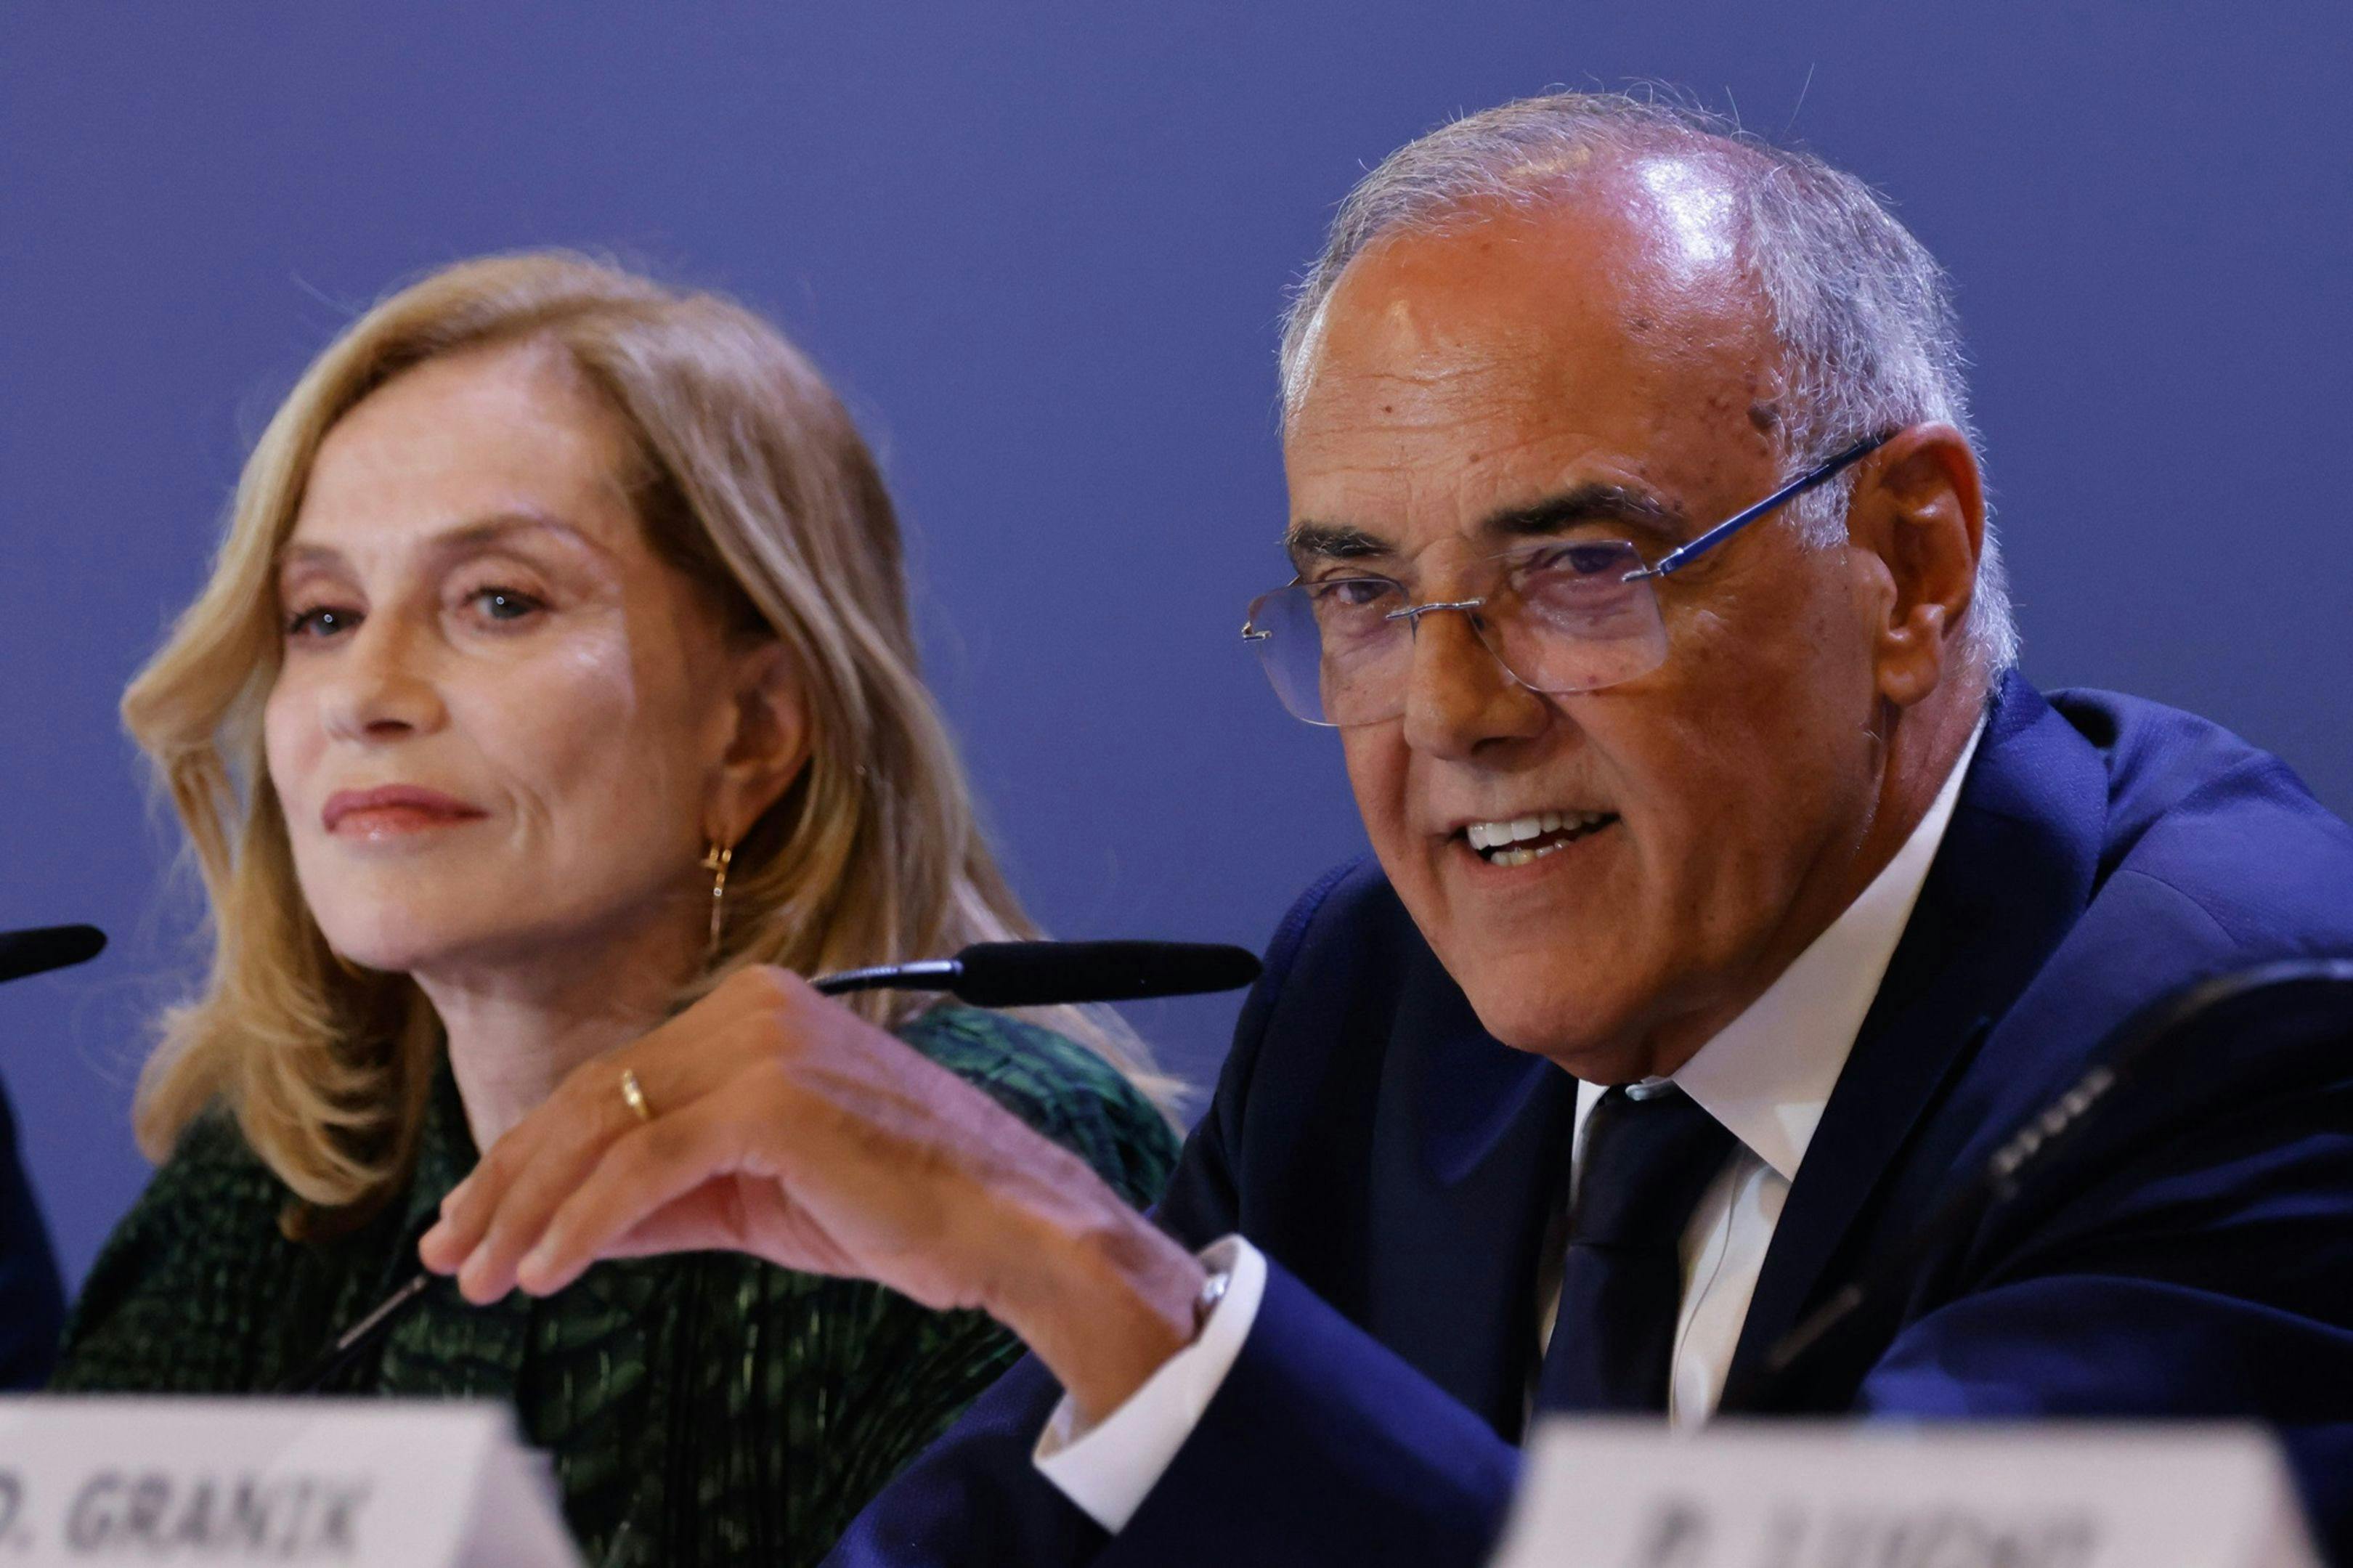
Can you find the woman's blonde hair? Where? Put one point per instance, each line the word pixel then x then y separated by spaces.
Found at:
pixel 752 480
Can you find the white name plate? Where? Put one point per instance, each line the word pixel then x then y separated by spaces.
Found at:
pixel 364 1483
pixel 1613 1494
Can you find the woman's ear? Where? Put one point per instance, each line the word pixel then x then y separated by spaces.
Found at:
pixel 769 746
pixel 1919 508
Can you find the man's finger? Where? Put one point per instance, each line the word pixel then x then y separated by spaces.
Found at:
pixel 489 1218
pixel 540 1160
pixel 695 1223
pixel 467 1207
pixel 725 1215
pixel 640 1173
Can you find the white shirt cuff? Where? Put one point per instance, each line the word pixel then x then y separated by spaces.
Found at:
pixel 1109 1468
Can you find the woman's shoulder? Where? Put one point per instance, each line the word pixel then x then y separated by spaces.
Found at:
pixel 211 1193
pixel 212 1169
pixel 196 1273
pixel 198 1286
pixel 1058 1086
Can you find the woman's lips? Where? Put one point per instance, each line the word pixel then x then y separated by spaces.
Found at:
pixel 393 808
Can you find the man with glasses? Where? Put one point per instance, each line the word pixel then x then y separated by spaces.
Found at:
pixel 1732 897
pixel 1562 616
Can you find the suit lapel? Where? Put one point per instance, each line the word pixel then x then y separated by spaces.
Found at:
pixel 1469 1153
pixel 2013 873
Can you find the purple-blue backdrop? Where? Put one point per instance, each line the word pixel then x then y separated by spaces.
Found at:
pixel 1042 247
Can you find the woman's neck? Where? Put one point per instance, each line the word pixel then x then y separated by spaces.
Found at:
pixel 517 1030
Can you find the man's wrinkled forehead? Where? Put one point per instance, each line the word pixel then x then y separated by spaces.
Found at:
pixel 1626 274
pixel 1404 328
pixel 1535 361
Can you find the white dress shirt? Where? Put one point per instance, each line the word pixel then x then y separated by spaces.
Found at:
pixel 1766 1077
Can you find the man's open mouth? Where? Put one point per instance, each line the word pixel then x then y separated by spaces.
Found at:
pixel 1522 839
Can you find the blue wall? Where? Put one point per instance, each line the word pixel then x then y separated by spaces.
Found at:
pixel 1043 249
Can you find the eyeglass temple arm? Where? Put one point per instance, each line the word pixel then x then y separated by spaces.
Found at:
pixel 1682 556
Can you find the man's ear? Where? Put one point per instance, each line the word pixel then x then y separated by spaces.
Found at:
pixel 770 743
pixel 1919 512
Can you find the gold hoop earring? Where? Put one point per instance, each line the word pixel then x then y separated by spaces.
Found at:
pixel 715 860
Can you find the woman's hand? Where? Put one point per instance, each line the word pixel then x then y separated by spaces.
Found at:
pixel 786 1127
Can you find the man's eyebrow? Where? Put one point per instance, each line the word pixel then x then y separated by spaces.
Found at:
pixel 1306 540
pixel 1607 505
pixel 1615 506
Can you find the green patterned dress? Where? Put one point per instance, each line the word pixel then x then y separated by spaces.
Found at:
pixel 702 1408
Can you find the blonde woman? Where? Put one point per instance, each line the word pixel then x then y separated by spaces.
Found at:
pixel 556 664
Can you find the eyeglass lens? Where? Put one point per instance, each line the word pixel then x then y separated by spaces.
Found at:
pixel 1573 618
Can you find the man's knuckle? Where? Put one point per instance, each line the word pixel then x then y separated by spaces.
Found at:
pixel 578 1091
pixel 766 1085
pixel 773 983
pixel 773 1034
pixel 662 1142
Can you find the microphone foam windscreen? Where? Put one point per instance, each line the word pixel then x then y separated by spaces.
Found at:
pixel 1039 973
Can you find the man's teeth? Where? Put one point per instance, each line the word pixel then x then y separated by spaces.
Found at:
pixel 1496 839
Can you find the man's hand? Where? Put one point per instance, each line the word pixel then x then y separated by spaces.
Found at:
pixel 786 1127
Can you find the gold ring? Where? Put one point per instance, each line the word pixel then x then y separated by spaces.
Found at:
pixel 636 1095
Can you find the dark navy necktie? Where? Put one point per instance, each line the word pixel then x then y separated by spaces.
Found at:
pixel 1646 1164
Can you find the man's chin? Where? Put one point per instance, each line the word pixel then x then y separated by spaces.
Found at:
pixel 1583 1031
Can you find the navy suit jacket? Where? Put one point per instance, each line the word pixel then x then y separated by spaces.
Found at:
pixel 2193 1258
pixel 32 1304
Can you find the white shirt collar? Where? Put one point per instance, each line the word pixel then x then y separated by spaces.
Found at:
pixel 1769 1073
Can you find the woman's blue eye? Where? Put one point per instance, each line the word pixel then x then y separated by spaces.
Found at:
pixel 320 623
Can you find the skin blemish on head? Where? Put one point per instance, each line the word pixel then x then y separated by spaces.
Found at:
pixel 1401 320
pixel 1764 416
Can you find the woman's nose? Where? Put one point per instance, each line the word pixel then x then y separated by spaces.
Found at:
pixel 381 686
pixel 1458 695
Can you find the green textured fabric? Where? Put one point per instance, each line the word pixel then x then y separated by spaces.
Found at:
pixel 702 1408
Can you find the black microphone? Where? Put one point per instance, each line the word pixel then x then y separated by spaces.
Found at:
pixel 1047 973
pixel 986 974
pixel 23 953
pixel 2305 996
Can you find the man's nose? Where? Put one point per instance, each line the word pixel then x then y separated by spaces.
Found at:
pixel 383 685
pixel 1459 697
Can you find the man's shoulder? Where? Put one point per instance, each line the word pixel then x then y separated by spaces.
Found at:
pixel 2203 826
pixel 1353 891
pixel 1346 964
pixel 1354 1009
pixel 2202 856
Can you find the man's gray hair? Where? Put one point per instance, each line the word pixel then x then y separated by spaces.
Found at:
pixel 1862 313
